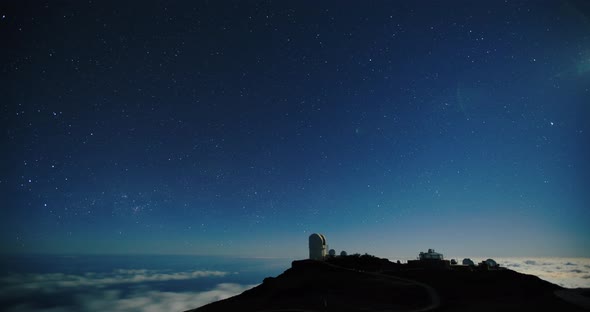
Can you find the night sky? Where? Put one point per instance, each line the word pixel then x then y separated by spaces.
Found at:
pixel 239 128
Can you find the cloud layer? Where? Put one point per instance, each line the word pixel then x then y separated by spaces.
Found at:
pixel 53 282
pixel 139 301
pixel 94 292
pixel 566 272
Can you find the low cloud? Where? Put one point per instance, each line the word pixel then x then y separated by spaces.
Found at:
pixel 139 301
pixel 560 271
pixel 99 292
pixel 23 284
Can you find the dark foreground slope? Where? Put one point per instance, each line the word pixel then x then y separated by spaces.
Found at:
pixel 318 286
pixel 496 290
pixel 386 286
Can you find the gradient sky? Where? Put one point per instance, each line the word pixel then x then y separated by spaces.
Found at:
pixel 239 128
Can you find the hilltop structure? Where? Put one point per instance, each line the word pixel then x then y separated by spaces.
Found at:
pixel 468 262
pixel 430 260
pixel 430 255
pixel 317 246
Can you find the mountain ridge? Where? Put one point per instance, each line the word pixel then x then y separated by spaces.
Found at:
pixel 368 283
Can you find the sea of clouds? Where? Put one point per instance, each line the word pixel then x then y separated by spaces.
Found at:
pixel 565 272
pixel 93 292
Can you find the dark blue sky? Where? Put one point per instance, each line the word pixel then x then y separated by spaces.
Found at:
pixel 223 127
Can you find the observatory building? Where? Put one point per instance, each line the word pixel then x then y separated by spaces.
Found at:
pixel 489 264
pixel 430 255
pixel 430 260
pixel 468 262
pixel 317 247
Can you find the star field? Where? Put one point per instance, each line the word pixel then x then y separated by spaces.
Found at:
pixel 242 127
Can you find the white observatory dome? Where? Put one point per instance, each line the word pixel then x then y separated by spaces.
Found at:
pixel 317 246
